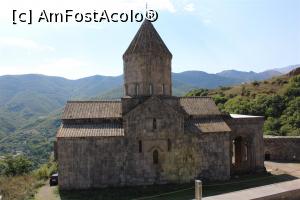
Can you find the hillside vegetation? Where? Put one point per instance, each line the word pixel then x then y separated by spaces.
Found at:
pixel 19 180
pixel 278 99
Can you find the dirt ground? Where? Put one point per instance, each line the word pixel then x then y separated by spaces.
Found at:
pixel 292 169
pixel 47 193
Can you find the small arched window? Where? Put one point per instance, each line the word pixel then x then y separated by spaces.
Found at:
pixel 154 124
pixel 140 146
pixel 155 157
pixel 150 89
pixel 169 145
pixel 126 89
pixel 136 89
pixel 163 89
pixel 246 152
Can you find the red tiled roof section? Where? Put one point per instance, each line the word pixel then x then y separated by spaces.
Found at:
pixel 92 110
pixel 199 106
pixel 111 129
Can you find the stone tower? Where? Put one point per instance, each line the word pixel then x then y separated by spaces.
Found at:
pixel 147 64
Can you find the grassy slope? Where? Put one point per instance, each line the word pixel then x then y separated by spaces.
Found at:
pixel 19 187
pixel 275 85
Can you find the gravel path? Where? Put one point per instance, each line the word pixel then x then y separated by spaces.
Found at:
pixel 292 169
pixel 47 193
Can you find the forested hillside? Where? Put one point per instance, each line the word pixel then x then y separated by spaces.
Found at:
pixel 278 99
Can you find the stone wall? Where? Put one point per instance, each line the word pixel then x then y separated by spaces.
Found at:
pixel 214 156
pixel 90 162
pixel 282 148
pixel 144 70
pixel 139 128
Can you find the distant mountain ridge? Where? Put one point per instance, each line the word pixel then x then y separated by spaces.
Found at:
pixel 249 76
pixel 34 94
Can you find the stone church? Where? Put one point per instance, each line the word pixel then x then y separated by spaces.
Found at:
pixel 151 136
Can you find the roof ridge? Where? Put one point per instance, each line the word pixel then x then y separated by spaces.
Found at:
pixel 94 101
pixel 196 97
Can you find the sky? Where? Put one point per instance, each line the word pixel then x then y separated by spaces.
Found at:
pixel 204 35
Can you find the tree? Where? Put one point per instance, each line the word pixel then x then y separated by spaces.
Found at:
pixel 293 89
pixel 291 118
pixel 272 126
pixel 237 105
pixel 197 93
pixel 16 165
pixel 255 83
pixel 269 106
pixel 219 99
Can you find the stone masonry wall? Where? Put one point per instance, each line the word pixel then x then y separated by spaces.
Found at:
pixel 282 148
pixel 138 126
pixel 214 153
pixel 90 162
pixel 146 70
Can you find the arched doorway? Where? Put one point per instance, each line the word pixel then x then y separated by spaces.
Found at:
pixel 267 156
pixel 237 152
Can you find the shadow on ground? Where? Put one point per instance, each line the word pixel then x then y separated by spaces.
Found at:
pixel 174 192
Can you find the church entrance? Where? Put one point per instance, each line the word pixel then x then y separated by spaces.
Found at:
pixel 236 152
pixel 240 155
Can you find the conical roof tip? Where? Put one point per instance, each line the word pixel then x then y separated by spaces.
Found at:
pixel 147 40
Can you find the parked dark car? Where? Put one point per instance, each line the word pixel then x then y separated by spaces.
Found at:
pixel 53 179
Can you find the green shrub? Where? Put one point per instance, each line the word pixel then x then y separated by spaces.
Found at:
pixel 255 83
pixel 15 165
pixel 46 170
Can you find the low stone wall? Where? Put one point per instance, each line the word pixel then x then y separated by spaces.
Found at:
pixel 282 148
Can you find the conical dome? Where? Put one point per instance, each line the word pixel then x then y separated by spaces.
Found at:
pixel 147 40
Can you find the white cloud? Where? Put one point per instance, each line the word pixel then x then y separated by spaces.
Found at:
pixel 189 7
pixel 23 43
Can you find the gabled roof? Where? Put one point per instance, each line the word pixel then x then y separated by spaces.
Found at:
pixel 92 110
pixel 167 107
pixel 110 129
pixel 207 125
pixel 199 106
pixel 147 40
